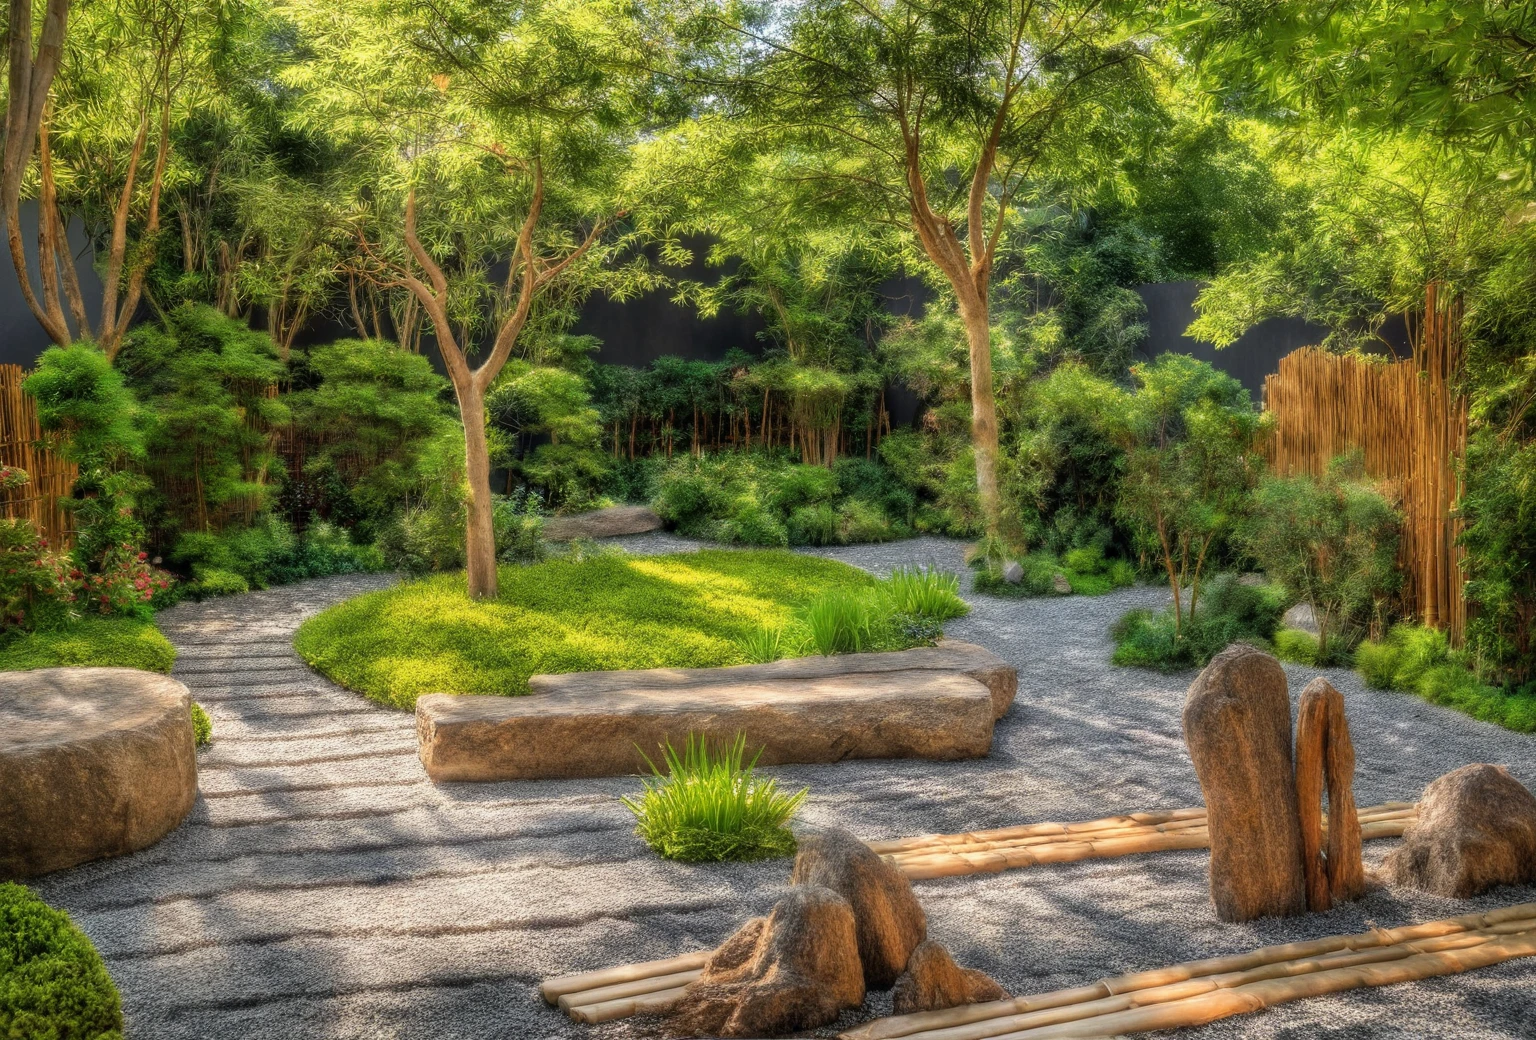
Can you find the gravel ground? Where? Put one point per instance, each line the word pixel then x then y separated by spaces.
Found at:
pixel 322 888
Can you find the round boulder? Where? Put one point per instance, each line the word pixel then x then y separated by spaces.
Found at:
pixel 1476 830
pixel 94 762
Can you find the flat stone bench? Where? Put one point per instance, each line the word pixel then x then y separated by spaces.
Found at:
pixel 94 762
pixel 932 702
pixel 602 523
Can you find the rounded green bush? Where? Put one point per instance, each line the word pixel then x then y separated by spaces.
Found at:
pixel 1377 664
pixel 53 985
pixel 202 726
pixel 1296 646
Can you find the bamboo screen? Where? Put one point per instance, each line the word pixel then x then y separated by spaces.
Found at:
pixel 1410 423
pixel 21 446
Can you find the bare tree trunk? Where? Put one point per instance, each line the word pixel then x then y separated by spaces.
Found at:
pixel 480 534
pixel 978 335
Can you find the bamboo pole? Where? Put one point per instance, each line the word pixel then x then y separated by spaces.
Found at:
pixel 977 1021
pixel 553 989
pixel 637 988
pixel 649 1004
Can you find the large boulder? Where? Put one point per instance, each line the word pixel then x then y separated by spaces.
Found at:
pixel 933 982
pixel 1476 830
pixel 889 919
pixel 94 762
pixel 1237 723
pixel 795 969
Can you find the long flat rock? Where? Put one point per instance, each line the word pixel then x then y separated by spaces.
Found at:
pixel 602 523
pixel 950 655
pixel 585 732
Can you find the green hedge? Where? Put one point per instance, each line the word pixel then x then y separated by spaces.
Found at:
pixel 53 985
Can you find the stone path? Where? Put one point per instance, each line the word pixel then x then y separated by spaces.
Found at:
pixel 323 889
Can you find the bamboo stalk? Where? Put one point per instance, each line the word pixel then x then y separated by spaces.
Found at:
pixel 637 988
pixel 553 989
pixel 934 1025
pixel 649 1004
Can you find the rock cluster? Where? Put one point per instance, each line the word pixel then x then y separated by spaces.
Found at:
pixel 1476 830
pixel 849 923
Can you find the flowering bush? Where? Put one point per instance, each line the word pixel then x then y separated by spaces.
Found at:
pixel 12 477
pixel 126 583
pixel 37 586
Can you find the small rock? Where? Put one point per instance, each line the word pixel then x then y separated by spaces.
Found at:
pixel 889 918
pixel 1060 583
pixel 1301 616
pixel 795 969
pixel 1251 579
pixel 1013 572
pixel 1476 830
pixel 933 982
pixel 1237 723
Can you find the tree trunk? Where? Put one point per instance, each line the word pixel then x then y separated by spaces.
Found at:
pixel 978 335
pixel 480 535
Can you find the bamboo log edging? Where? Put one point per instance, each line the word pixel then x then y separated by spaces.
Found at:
pixel 1201 991
pixel 553 989
pixel 939 856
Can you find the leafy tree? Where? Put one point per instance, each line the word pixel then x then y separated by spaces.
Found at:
pixel 941 117
pixel 1191 460
pixel 501 128
pixel 1332 542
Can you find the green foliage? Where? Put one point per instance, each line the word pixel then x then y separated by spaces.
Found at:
pixel 202 726
pixel 1231 612
pixel 90 642
pixel 1296 646
pixel 209 385
pixel 570 613
pixel 1332 542
pixel 1499 505
pixel 38 587
pixel 52 981
pixel 710 806
pixel 518 523
pixel 760 499
pixel 83 405
pixel 925 592
pixel 839 622
pixel 269 553
pixel 365 409
pixel 1421 661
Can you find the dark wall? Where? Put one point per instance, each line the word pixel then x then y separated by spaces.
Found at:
pixel 1257 352
pixel 22 339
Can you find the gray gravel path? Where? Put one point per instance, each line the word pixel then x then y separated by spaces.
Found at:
pixel 322 888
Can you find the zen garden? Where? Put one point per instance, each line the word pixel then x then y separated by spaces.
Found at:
pixel 860 519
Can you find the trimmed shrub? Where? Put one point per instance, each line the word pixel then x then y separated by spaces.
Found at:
pixel 710 806
pixel 53 985
pixel 1296 646
pixel 202 726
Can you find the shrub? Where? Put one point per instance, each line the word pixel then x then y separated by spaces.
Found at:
pixel 202 726
pixel 270 553
pixel 1230 613
pixel 839 622
pixel 924 592
pixel 1332 542
pixel 1040 570
pixel 813 525
pixel 38 587
pixel 126 584
pixel 709 806
pixel 88 643
pixel 424 540
pixel 211 581
pixel 52 982
pixel 1296 646
pixel 518 520
pixel 1377 664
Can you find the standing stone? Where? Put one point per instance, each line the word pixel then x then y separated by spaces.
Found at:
pixel 795 969
pixel 1237 723
pixel 1476 830
pixel 889 919
pixel 933 982
pixel 1013 572
pixel 1325 761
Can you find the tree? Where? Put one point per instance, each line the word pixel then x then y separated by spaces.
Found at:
pixel 943 116
pixel 1332 542
pixel 502 127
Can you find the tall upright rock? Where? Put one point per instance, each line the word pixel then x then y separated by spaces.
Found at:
pixel 1237 724
pixel 1325 763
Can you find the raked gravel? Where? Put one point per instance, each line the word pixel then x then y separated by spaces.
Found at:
pixel 323 888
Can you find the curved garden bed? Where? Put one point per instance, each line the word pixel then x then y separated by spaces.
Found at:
pixel 598 613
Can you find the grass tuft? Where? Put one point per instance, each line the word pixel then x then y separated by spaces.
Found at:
pixel 202 726
pixel 710 806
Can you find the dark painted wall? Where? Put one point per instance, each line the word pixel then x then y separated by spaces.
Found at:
pixel 22 339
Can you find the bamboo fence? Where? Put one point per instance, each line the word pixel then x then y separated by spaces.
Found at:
pixel 1410 422
pixel 21 445
pixel 1197 992
pixel 653 987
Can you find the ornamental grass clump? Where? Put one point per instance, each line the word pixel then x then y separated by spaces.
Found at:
pixel 925 592
pixel 710 806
